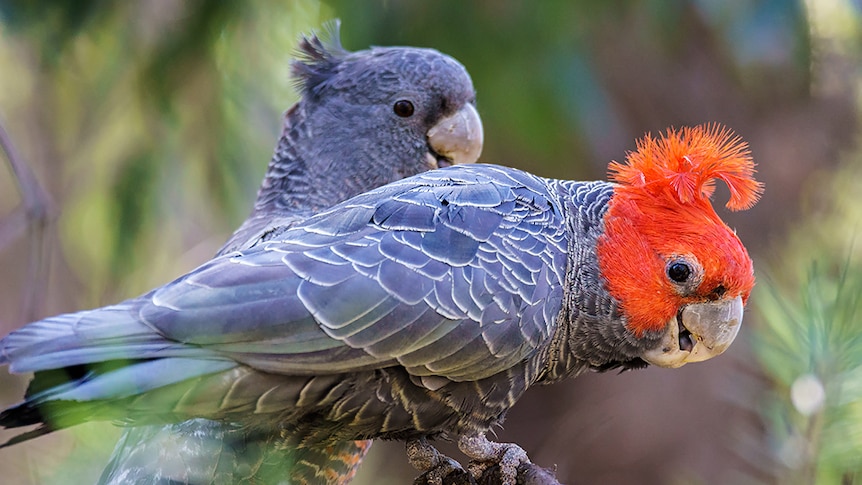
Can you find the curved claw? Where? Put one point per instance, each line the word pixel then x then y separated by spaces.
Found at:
pixel 485 453
pixel 435 465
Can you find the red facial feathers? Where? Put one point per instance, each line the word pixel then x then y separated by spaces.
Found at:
pixel 661 212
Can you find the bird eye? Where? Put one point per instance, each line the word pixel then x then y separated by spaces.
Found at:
pixel 403 108
pixel 678 271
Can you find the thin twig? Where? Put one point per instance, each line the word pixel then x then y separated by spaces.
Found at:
pixel 39 213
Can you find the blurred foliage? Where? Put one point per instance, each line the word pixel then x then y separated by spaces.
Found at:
pixel 152 103
pixel 810 339
pixel 811 346
pixel 810 302
pixel 150 124
pixel 545 70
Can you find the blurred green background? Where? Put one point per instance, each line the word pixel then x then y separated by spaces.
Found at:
pixel 141 131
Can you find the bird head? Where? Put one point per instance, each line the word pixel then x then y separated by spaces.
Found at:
pixel 680 275
pixel 410 105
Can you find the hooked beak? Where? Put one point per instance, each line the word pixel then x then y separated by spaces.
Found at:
pixel 700 331
pixel 456 139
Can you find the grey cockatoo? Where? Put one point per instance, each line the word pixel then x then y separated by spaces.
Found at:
pixel 422 309
pixel 364 119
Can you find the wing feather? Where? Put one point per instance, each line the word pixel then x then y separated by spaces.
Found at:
pixel 456 273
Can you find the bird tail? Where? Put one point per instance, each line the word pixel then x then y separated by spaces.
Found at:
pixel 112 333
pixel 100 364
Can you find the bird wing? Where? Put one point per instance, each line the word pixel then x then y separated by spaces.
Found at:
pixel 455 273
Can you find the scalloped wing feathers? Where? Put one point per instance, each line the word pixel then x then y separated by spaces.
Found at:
pixel 456 273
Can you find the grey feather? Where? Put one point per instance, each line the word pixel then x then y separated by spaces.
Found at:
pixel 263 309
pixel 321 159
pixel 424 307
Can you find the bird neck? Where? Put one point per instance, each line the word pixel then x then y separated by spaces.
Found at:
pixel 289 185
pixel 328 154
pixel 584 204
pixel 591 331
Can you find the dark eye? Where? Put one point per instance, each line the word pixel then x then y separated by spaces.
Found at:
pixel 678 271
pixel 403 108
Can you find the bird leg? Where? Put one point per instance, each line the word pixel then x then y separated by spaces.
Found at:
pixel 485 453
pixel 435 466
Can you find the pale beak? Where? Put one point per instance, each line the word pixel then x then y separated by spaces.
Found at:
pixel 699 332
pixel 456 139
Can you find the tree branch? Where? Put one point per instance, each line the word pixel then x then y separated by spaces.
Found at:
pixel 38 213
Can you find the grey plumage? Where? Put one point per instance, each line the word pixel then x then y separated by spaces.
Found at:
pixel 339 140
pixel 342 138
pixel 313 324
pixel 420 309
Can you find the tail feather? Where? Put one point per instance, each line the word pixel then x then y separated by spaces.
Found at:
pixel 106 334
pixel 149 391
pixel 29 435
pixel 135 379
pixel 22 414
pixel 94 364
pixel 99 323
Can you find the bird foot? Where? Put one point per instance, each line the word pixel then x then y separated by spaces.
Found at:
pixel 486 453
pixel 437 468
